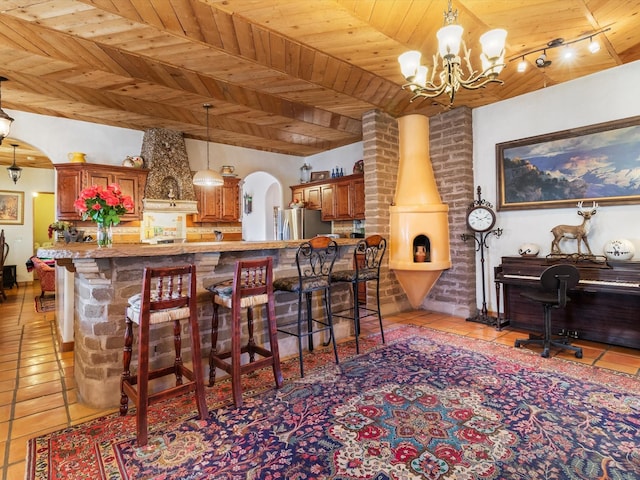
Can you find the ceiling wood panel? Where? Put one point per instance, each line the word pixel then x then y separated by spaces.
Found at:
pixel 287 76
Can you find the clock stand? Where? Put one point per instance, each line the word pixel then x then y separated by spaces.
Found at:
pixel 481 218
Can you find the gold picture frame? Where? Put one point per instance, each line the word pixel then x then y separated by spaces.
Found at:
pixel 11 207
pixel 597 163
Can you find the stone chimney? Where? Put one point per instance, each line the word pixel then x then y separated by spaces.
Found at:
pixel 170 181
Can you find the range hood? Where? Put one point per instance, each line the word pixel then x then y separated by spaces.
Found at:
pixel 169 206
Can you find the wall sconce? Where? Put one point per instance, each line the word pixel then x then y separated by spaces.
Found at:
pixel 14 170
pixel 248 203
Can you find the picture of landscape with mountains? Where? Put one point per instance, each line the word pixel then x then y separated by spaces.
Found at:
pixel 587 167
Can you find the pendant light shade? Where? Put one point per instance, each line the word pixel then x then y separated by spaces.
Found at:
pixel 208 177
pixel 14 170
pixel 5 120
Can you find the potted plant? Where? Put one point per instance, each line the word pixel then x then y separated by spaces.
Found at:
pixel 58 227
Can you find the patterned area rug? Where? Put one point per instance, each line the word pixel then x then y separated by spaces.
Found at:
pixel 428 405
pixel 45 304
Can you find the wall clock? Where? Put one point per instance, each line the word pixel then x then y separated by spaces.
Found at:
pixel 481 218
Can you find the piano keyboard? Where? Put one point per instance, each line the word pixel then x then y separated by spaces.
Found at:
pixel 587 282
pixel 615 284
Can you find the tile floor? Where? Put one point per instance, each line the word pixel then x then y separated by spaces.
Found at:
pixel 37 390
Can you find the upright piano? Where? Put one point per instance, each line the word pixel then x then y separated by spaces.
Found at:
pixel 604 306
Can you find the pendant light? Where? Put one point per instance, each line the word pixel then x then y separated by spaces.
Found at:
pixel 207 178
pixel 5 120
pixel 14 170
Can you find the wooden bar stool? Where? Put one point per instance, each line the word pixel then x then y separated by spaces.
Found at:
pixel 251 286
pixel 314 260
pixel 168 295
pixel 367 258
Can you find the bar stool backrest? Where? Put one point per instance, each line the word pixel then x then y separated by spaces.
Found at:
pixel 253 277
pixel 368 256
pixel 168 288
pixel 315 259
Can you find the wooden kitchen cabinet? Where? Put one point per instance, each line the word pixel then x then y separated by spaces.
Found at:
pixel 358 199
pixel 219 204
pixel 339 198
pixel 343 201
pixel 328 206
pixel 72 178
pixel 310 196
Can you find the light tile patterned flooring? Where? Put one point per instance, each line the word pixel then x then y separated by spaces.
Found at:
pixel 37 388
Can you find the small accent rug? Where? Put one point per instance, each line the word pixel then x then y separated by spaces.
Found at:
pixel 427 405
pixel 45 304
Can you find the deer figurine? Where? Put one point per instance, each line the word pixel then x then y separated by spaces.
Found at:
pixel 579 232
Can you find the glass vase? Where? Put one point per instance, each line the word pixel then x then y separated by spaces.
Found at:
pixel 105 235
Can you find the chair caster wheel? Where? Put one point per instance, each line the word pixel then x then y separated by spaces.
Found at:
pixel 545 354
pixel 517 344
pixel 578 354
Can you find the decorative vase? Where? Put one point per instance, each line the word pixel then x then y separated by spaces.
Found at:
pixel 420 254
pixel 105 235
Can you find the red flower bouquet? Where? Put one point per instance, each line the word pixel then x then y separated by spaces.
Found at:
pixel 103 205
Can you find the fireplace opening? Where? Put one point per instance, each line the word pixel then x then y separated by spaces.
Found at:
pixel 421 249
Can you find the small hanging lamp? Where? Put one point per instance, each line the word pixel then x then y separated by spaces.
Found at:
pixel 208 177
pixel 5 120
pixel 14 170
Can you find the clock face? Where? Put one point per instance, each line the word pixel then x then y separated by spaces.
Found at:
pixel 481 219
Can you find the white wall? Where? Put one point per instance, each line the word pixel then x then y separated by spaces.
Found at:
pixel 266 193
pixel 606 96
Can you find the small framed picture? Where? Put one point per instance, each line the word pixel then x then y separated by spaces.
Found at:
pixel 11 207
pixel 315 176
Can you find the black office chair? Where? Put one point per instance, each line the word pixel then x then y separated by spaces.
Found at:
pixel 556 281
pixel 314 261
pixel 367 259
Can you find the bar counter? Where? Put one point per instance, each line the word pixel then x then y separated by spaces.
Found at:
pixel 93 285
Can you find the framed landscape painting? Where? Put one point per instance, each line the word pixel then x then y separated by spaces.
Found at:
pixel 598 163
pixel 11 207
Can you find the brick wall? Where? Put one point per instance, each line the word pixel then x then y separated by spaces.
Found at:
pixel 451 149
pixel 380 140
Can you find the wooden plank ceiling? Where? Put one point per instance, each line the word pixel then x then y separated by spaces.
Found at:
pixel 286 76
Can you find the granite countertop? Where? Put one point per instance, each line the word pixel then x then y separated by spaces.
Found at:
pixel 90 250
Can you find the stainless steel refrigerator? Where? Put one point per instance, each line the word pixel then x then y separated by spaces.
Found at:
pixel 299 224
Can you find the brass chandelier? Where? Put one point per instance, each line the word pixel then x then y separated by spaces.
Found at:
pixel 453 75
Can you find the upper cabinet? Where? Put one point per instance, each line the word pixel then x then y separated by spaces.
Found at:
pixel 73 177
pixel 339 198
pixel 219 204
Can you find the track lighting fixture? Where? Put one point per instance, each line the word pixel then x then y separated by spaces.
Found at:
pixel 568 52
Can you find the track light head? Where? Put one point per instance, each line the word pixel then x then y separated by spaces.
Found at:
pixel 542 61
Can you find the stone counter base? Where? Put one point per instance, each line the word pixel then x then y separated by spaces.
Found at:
pixel 103 285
